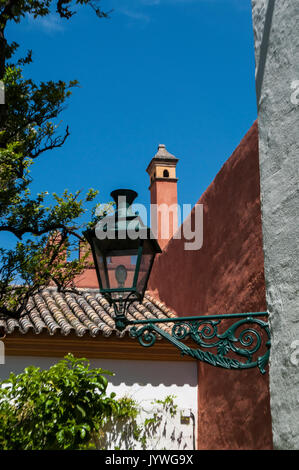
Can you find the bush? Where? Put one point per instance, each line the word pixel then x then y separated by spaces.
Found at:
pixel 58 408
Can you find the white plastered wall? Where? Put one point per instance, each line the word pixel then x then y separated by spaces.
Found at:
pixel 143 381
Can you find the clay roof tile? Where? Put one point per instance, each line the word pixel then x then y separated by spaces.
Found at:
pixel 87 312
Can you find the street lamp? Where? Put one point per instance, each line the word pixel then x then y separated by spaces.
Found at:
pixel 124 250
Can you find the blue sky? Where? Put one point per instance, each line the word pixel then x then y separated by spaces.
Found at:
pixel 177 72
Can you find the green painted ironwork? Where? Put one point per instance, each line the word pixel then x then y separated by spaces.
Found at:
pixel 244 344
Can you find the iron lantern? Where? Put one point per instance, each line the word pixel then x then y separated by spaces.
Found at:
pixel 123 250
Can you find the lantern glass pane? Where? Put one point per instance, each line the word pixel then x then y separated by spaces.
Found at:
pixel 121 266
pixel 145 266
pixel 101 264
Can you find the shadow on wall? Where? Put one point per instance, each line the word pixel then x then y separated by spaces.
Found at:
pixel 154 373
pixel 153 428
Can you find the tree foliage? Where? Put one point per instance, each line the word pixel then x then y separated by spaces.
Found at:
pixel 29 129
pixel 58 408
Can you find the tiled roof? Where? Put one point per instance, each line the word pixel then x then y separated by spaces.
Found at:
pixel 86 314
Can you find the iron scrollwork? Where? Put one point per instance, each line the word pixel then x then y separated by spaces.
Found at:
pixel 243 340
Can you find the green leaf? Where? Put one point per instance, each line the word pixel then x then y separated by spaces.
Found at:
pixel 81 410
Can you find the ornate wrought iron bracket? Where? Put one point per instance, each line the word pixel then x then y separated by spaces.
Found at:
pixel 248 338
pixel 243 344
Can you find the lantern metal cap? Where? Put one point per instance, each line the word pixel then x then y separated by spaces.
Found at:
pixel 129 194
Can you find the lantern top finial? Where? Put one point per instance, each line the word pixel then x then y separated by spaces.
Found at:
pixel 128 194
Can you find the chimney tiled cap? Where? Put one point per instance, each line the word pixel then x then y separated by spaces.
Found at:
pixel 163 153
pixel 163 156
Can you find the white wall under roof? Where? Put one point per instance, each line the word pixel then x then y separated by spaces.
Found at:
pixel 143 381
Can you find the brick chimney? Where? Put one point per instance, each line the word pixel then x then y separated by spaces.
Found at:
pixel 164 199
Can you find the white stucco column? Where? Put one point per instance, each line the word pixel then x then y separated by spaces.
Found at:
pixel 276 35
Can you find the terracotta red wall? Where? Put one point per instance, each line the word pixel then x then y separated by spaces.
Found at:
pixel 224 276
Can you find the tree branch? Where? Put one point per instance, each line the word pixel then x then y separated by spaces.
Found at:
pixel 55 143
pixel 35 231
